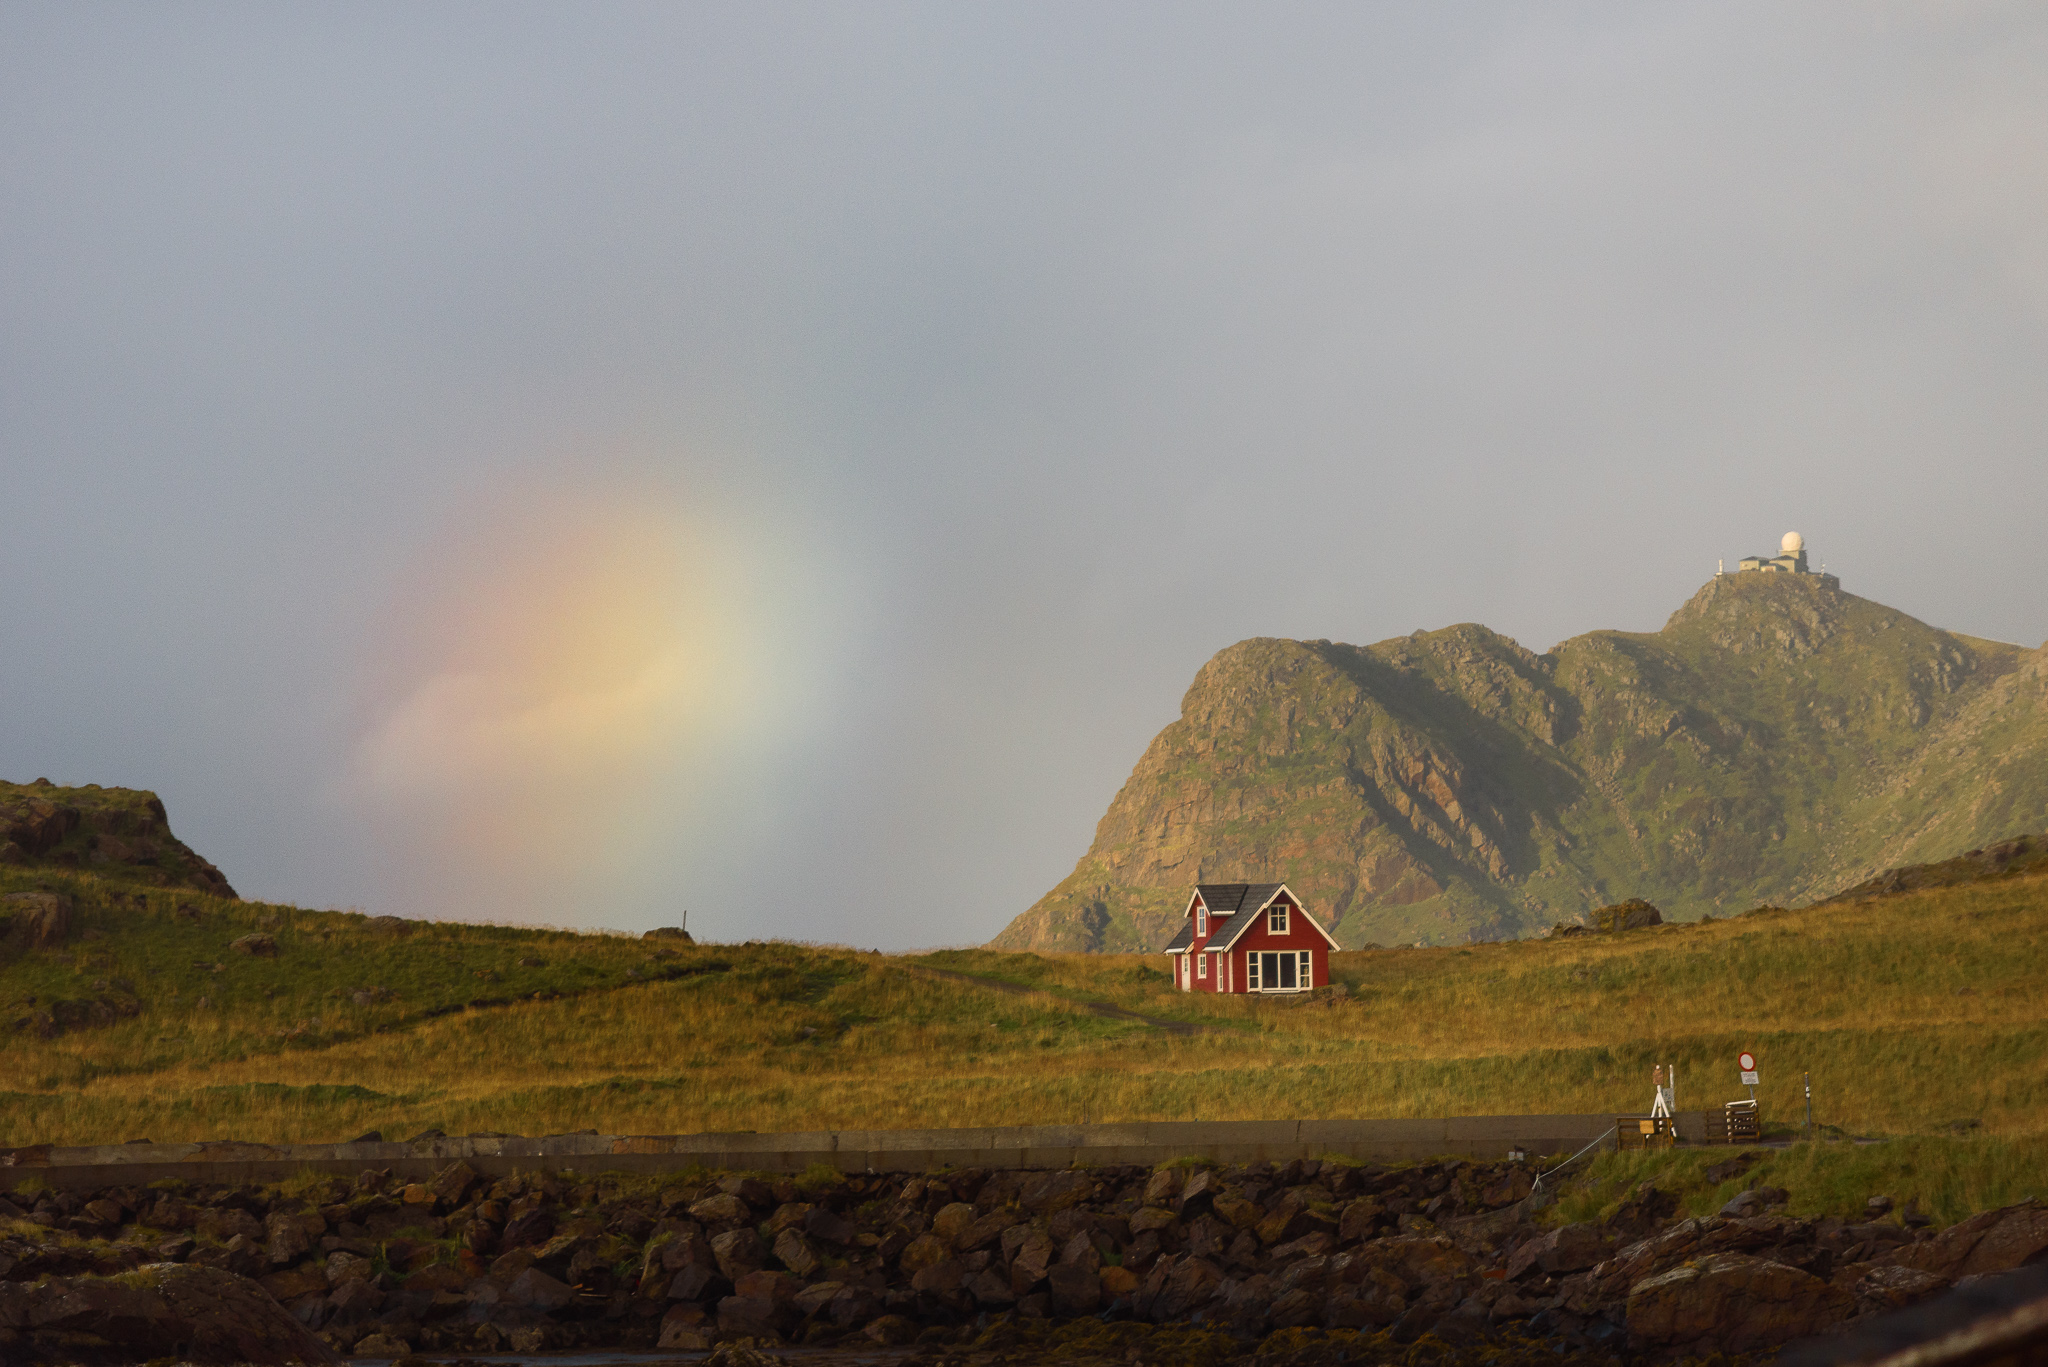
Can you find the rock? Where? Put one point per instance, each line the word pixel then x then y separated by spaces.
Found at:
pixel 41 918
pixel 1994 1241
pixel 1076 1290
pixel 991 1290
pixel 1163 1186
pixel 722 1209
pixel 258 944
pixel 940 1278
pixel 683 1329
pixel 1189 1283
pixel 1238 1213
pixel 1359 1219
pixel 536 1290
pixel 675 933
pixel 380 1346
pixel 739 1251
pixel 1732 1303
pixel 795 1253
pixel 984 1232
pixel 922 1252
pixel 287 1235
pixel 343 1266
pixel 891 1330
pixel 1568 1248
pixel 1892 1288
pixel 788 1215
pixel 1057 1191
pixel 1634 914
pixel 1118 1283
pixel 529 1227
pixel 953 1221
pixel 195 1314
pixel 1151 1218
pixel 828 1226
pixel 1755 1201
pixel 453 1183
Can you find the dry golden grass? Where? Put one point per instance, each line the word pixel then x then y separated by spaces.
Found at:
pixel 1911 1013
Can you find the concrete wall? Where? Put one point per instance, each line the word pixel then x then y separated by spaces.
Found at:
pixel 1019 1146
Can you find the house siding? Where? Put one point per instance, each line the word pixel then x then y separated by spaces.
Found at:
pixel 1231 971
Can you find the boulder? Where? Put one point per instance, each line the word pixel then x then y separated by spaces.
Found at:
pixel 991 1290
pixel 1893 1288
pixel 1755 1201
pixel 289 1234
pixel 1568 1248
pixel 196 1314
pixel 380 1346
pixel 675 933
pixel 683 1329
pixel 1186 1285
pixel 1995 1241
pixel 795 1253
pixel 258 945
pixel 1731 1303
pixel 1634 914
pixel 722 1209
pixel 739 1251
pixel 529 1227
pixel 828 1226
pixel 1076 1290
pixel 536 1290
pixel 41 918
pixel 922 1252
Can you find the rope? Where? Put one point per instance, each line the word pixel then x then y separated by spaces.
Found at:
pixel 1598 1140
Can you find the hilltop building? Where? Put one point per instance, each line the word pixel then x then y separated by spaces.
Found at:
pixel 1791 558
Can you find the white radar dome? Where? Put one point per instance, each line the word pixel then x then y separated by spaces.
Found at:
pixel 1792 544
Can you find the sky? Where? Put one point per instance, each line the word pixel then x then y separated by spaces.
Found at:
pixel 782 463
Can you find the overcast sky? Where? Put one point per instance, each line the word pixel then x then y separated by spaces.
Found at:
pixel 579 463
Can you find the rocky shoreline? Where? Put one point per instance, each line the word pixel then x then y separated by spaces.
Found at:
pixel 1306 1262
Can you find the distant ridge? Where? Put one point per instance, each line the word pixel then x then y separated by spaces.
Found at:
pixel 1777 741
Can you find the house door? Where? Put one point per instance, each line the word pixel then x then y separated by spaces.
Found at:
pixel 1185 969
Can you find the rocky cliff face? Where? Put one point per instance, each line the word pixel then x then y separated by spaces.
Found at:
pixel 1779 739
pixel 117 832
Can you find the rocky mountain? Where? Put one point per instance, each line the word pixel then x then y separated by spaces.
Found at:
pixel 120 833
pixel 1779 740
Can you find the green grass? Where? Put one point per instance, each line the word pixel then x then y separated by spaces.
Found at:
pixel 1911 1013
pixel 1947 1178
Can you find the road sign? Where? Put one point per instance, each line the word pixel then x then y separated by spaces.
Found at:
pixel 1746 1061
pixel 1749 1078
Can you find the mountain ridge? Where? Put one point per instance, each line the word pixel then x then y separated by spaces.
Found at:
pixel 1776 740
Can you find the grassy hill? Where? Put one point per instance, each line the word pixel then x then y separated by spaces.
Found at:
pixel 1777 741
pixel 1917 1012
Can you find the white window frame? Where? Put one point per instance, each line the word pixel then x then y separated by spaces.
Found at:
pixel 1276 919
pixel 1251 971
pixel 1305 975
pixel 1201 920
pixel 1202 968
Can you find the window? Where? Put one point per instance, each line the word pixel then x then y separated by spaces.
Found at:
pixel 1307 971
pixel 1276 919
pixel 1201 920
pixel 1202 967
pixel 1286 971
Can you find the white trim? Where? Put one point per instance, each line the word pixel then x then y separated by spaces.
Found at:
pixel 1246 922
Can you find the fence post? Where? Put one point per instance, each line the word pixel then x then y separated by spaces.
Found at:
pixel 1807 1078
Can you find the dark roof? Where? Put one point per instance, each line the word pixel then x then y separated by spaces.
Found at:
pixel 1182 940
pixel 1227 899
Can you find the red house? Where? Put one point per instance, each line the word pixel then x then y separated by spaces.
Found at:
pixel 1249 937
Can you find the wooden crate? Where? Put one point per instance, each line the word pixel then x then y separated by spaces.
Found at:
pixel 1736 1123
pixel 1644 1132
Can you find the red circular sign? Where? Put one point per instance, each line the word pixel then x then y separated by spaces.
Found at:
pixel 1748 1061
